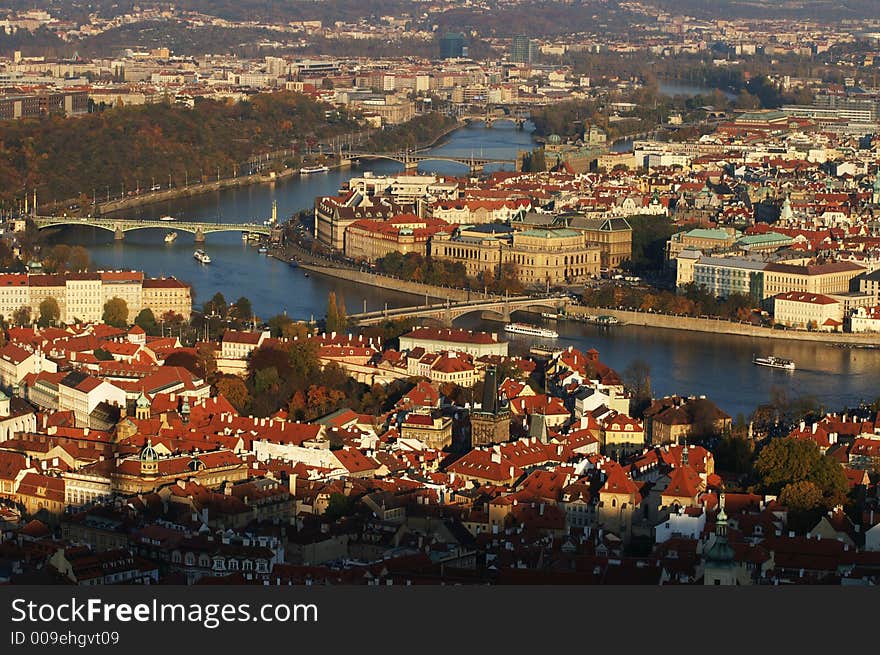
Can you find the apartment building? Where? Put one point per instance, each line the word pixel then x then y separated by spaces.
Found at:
pixel 81 296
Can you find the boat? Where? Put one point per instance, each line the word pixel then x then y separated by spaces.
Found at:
pixel 202 256
pixel 166 218
pixel 293 263
pixel 549 315
pixel 306 274
pixel 607 320
pixel 774 362
pixel 308 170
pixel 262 250
pixel 531 330
pixel 170 237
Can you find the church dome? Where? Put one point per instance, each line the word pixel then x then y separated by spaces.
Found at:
pixel 149 454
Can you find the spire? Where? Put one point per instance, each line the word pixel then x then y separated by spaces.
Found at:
pixel 721 521
pixel 684 455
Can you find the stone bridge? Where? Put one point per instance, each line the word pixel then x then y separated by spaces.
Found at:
pixel 446 313
pixel 119 226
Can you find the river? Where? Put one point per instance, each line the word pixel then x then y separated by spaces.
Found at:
pixel 716 365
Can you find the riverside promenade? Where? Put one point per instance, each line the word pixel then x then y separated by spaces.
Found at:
pixel 723 326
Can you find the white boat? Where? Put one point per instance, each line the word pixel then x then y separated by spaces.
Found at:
pixel 549 315
pixel 202 256
pixel 531 330
pixel 262 250
pixel 170 237
pixel 166 218
pixel 774 362
pixel 308 170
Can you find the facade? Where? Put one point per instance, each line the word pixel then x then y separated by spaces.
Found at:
pixel 167 295
pixel 703 239
pixel 523 50
pixel 541 255
pixel 807 311
pixel 613 237
pixel 370 240
pixel 476 344
pixel 433 431
pixel 865 319
pixel 723 276
pixel 623 436
pixel 810 278
pixel 452 45
pixel 81 296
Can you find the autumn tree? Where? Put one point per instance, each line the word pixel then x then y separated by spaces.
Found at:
pixel 50 313
pixel 115 312
pixel 235 391
pixel 216 306
pixel 22 316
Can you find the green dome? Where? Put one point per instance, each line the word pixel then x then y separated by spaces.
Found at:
pixel 149 454
pixel 554 139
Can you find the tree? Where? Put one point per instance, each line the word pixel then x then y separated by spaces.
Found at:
pixel 235 391
pixel 50 313
pixel 638 378
pixel 147 321
pixel 242 310
pixel 801 496
pixel 786 461
pixel 216 306
pixel 22 316
pixel 332 312
pixel 115 312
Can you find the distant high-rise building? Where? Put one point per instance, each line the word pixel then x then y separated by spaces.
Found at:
pixel 523 50
pixel 452 45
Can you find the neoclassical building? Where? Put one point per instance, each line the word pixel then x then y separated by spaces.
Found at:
pixel 543 255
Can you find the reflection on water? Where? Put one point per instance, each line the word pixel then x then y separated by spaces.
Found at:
pixel 720 366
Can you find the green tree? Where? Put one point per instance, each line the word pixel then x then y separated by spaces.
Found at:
pixel 332 321
pixel 50 313
pixel 115 312
pixel 801 496
pixel 216 306
pixel 338 505
pixel 787 461
pixel 242 310
pixel 147 321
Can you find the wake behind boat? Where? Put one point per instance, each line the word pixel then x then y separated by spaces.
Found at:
pixel 531 330
pixel 774 362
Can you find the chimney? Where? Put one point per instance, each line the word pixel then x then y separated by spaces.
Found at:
pixel 815 426
pixel 803 426
pixel 291 483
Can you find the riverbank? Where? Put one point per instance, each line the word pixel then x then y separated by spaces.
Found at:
pixel 722 326
pixel 331 268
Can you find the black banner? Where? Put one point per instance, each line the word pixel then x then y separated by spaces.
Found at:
pixel 431 619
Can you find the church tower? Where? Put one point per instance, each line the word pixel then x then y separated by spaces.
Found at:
pixel 720 567
pixel 491 424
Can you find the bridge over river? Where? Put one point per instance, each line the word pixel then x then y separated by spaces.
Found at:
pixel 119 226
pixel 446 313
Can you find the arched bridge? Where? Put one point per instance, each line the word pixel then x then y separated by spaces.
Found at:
pixel 411 160
pixel 446 313
pixel 119 226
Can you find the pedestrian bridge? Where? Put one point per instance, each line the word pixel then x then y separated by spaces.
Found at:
pixel 119 226
pixel 446 313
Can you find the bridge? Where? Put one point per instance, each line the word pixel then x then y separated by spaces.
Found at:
pixel 446 313
pixel 119 226
pixel 410 160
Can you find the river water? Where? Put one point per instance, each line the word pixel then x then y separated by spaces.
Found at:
pixel 681 362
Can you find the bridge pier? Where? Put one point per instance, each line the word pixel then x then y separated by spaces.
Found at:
pixel 199 235
pixel 410 165
pixel 118 233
